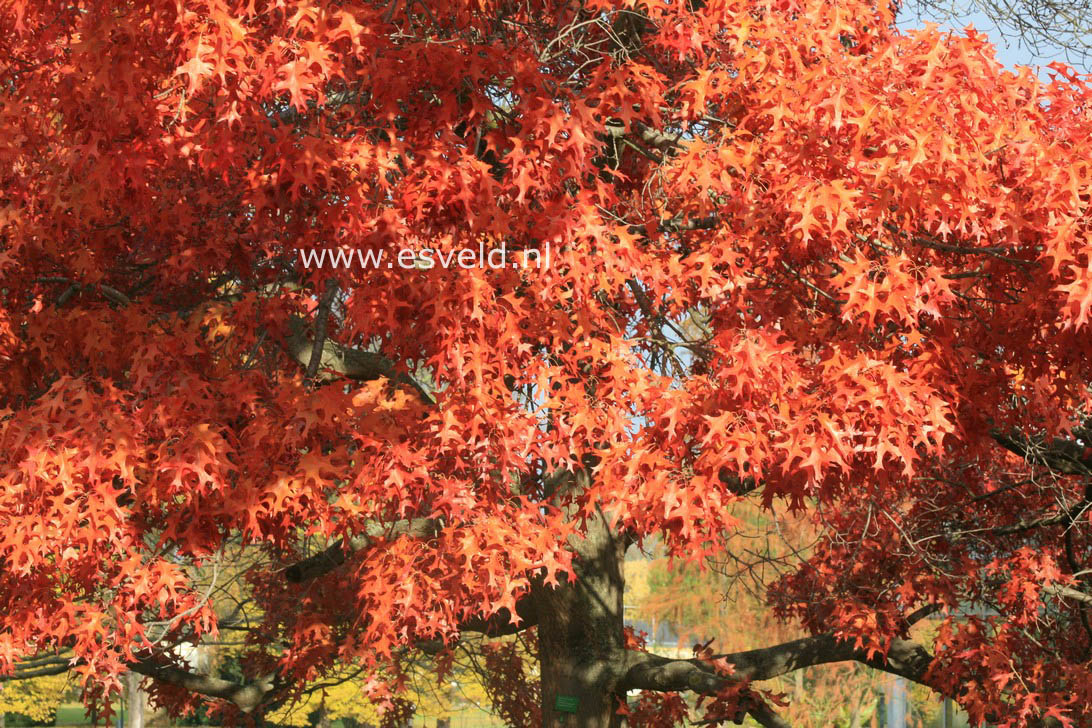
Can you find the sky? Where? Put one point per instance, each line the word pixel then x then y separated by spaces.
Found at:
pixel 1009 50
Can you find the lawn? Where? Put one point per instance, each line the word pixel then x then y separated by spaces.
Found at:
pixel 72 714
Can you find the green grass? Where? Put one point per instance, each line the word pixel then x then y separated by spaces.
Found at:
pixel 71 715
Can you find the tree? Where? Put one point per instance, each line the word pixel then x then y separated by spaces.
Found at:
pixel 785 254
pixel 437 692
pixel 36 699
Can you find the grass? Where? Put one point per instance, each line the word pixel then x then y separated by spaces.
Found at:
pixel 71 714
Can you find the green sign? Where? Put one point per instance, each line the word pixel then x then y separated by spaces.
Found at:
pixel 566 703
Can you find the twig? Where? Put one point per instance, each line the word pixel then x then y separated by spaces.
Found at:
pixel 321 315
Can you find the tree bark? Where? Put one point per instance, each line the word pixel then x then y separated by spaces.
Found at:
pixel 580 634
pixel 136 700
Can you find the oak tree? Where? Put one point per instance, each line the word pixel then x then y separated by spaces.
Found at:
pixel 788 255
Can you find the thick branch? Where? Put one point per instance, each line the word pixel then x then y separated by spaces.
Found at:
pixel 246 696
pixel 1068 593
pixel 905 658
pixel 42 666
pixel 736 484
pixel 1064 457
pixel 336 359
pixel 652 672
pixel 500 624
pixel 334 556
pixel 44 671
pixel 657 139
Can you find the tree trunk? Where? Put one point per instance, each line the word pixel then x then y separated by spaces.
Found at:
pixel 580 635
pixel 324 720
pixel 136 700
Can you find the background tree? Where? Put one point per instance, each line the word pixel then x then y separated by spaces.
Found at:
pixel 722 604
pixel 795 257
pixel 34 699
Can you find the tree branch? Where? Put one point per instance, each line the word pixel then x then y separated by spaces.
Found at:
pixel 44 671
pixel 334 556
pixel 1069 593
pixel 500 624
pixel 736 484
pixel 1064 457
pixel 336 359
pixel 245 696
pixel 905 658
pixel 321 317
pixel 678 224
pixel 766 717
pixel 651 672
pixel 657 139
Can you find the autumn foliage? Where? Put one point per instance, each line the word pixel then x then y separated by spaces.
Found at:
pixel 798 257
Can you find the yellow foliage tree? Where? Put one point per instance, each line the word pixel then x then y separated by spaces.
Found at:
pixel 343 697
pixel 37 698
pixel 341 700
